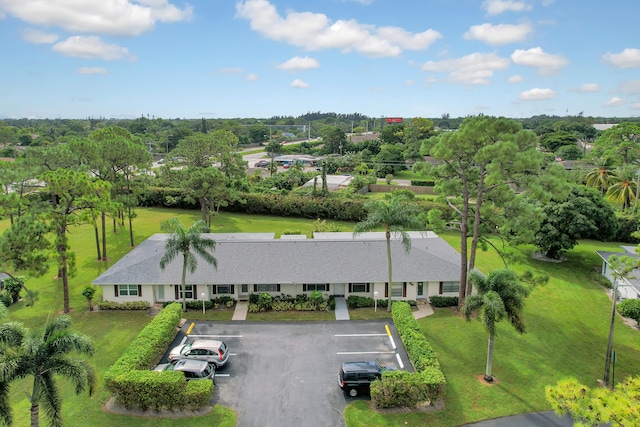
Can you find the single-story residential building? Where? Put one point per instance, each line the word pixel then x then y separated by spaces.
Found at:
pixel 333 263
pixel 627 287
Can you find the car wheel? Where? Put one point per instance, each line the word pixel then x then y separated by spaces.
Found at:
pixel 353 392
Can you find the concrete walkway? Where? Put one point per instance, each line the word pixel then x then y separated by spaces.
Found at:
pixel 240 313
pixel 342 312
pixel 424 309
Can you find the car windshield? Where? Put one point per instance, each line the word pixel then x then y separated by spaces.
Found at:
pixel 185 349
pixel 223 348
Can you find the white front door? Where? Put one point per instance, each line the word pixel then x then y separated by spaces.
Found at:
pixel 420 291
pixel 338 289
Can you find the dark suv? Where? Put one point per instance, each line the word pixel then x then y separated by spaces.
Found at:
pixel 355 377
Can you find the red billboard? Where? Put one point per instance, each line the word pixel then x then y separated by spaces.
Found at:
pixel 394 119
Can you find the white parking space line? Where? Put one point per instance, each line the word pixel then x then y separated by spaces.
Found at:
pixel 183 340
pixel 399 361
pixel 365 352
pixel 215 336
pixel 360 335
pixel 223 375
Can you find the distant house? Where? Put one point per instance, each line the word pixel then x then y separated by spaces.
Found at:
pixel 627 287
pixel 333 263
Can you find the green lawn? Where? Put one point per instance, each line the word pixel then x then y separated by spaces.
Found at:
pixel 567 323
pixel 113 331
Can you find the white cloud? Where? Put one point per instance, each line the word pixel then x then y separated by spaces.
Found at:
pixel 252 77
pixel 314 31
pixel 409 82
pixel 297 64
pixel 498 34
pixel 628 58
pixel 614 102
pixel 546 63
pixel 92 70
pixel 299 84
pixel 113 17
pixel 515 79
pixel 474 69
pixel 91 47
pixel 230 70
pixel 635 106
pixel 536 94
pixel 39 37
pixel 496 7
pixel 631 87
pixel 587 88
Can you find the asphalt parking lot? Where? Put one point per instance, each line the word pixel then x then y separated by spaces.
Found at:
pixel 286 374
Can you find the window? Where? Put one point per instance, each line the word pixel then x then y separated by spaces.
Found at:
pixel 359 287
pixel 223 289
pixel 449 287
pixel 397 289
pixel 188 292
pixel 128 290
pixel 315 287
pixel 266 287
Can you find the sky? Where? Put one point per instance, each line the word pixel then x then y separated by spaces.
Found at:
pixel 265 58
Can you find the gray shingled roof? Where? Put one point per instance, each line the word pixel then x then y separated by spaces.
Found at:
pixel 257 259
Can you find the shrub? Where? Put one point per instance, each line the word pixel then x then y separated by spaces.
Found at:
pixel 135 386
pixel 316 298
pixel 224 300
pixel 128 305
pixel 6 299
pixel 630 308
pixel 265 300
pixel 423 182
pixel 442 301
pixel 406 389
pixel 282 306
pixel 355 301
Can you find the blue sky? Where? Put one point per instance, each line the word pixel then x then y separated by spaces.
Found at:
pixel 264 58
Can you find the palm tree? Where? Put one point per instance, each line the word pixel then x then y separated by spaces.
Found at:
pixel 186 242
pixel 500 295
pixel 623 190
pixel 396 213
pixel 599 178
pixel 43 355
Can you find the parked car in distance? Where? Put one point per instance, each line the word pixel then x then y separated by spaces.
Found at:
pixel 261 164
pixel 212 351
pixel 192 369
pixel 356 377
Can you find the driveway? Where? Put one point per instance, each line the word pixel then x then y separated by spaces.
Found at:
pixel 286 374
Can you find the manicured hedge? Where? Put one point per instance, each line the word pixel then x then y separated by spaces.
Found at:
pixel 408 389
pixel 127 305
pixel 630 308
pixel 134 385
pixel 442 301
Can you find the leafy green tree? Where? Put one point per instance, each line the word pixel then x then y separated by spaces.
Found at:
pixel 273 148
pixel 335 140
pixel 583 214
pixel 390 160
pixel 500 295
pixel 619 145
pixel 188 243
pixel 569 152
pixel 482 166
pixel 392 134
pixel 26 246
pixel 593 407
pixel 396 213
pixel 554 140
pixel 75 193
pixel 43 355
